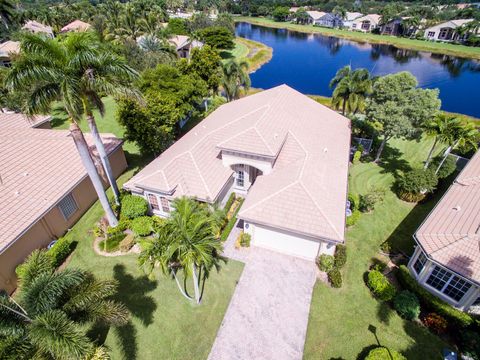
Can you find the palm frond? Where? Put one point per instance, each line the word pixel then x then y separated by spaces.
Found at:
pixel 37 263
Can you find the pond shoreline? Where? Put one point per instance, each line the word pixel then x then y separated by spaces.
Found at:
pixel 256 55
pixel 404 43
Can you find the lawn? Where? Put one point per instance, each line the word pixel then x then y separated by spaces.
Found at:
pixel 340 318
pixel 405 43
pixel 254 53
pixel 163 324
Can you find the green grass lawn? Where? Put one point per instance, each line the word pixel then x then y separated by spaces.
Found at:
pixel 340 318
pixel 412 44
pixel 254 53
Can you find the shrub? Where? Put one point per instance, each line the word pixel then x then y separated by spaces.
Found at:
pixel 436 323
pixel 230 201
pixel 325 262
pixel 354 201
pixel 369 200
pixel 231 222
pixel 352 219
pixel 340 256
pixel 133 206
pixel 123 224
pixel 454 316
pixel 382 353
pixel 245 240
pixel 157 223
pixel 386 247
pixel 413 185
pixel 60 251
pixel 142 226
pixel 448 168
pixel 335 278
pixel 112 243
pixel 356 156
pixel 127 243
pixel 407 305
pixel 380 286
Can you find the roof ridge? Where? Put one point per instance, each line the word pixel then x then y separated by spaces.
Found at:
pixel 464 237
pixel 264 141
pixel 268 197
pixel 200 173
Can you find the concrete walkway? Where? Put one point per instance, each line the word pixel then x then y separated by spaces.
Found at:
pixel 268 314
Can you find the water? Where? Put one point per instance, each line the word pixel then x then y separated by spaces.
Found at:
pixel 308 62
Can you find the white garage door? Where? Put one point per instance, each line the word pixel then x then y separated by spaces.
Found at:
pixel 284 242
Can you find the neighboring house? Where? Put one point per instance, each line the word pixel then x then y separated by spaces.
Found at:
pixel 366 23
pixel 447 31
pixel 330 20
pixel 284 152
pixel 180 15
pixel 314 16
pixel 38 28
pixel 184 45
pixel 349 18
pixel 446 261
pixel 10 119
pixel 393 27
pixel 7 50
pixel 44 188
pixel 76 25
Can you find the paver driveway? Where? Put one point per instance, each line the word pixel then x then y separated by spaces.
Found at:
pixel 268 314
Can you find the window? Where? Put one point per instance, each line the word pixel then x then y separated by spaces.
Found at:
pixel 68 206
pixel 152 199
pixel 431 34
pixel 165 205
pixel 447 283
pixel 420 263
pixel 354 26
pixel 240 178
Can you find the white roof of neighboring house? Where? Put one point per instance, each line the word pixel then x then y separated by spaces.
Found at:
pixel 36 27
pixel 315 15
pixel 350 16
pixel 373 18
pixel 76 25
pixel 180 41
pixel 307 188
pixel 293 9
pixel 450 235
pixel 453 24
pixel 9 47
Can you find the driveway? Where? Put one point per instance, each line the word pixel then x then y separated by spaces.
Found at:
pixel 268 314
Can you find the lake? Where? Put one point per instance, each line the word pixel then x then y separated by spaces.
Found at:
pixel 307 62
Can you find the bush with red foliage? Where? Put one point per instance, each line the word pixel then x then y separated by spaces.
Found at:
pixel 436 323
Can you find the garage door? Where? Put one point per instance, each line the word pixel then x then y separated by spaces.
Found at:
pixel 284 242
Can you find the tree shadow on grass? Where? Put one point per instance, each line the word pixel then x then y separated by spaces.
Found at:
pixel 126 340
pixel 384 312
pixel 132 292
pixel 425 345
pixel 392 161
pixel 135 160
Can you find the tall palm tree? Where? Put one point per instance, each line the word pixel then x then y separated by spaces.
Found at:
pixel 186 242
pixel 48 317
pixel 341 73
pixel 68 71
pixel 235 77
pixel 6 12
pixel 442 128
pixel 352 90
pixel 410 25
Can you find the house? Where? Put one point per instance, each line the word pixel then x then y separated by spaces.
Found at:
pixel 349 18
pixel 393 27
pixel 284 152
pixel 447 31
pixel 44 188
pixel 184 45
pixel 38 28
pixel 366 23
pixel 10 119
pixel 446 261
pixel 76 25
pixel 330 20
pixel 314 16
pixel 7 50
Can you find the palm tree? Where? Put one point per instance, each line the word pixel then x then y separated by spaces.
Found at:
pixel 49 316
pixel 410 25
pixel 187 242
pixel 73 73
pixel 341 73
pixel 235 77
pixel 6 12
pixel 441 128
pixel 351 90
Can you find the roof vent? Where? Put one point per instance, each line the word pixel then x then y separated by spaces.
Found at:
pixel 457 208
pixel 275 135
pixel 325 150
pixel 196 134
pixel 17 193
pixel 25 173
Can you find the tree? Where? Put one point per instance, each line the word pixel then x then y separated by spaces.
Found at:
pixel 410 25
pixel 177 26
pixel 351 89
pixel 206 63
pixel 186 242
pixel 301 16
pixel 49 316
pixel 68 71
pixel 226 20
pixel 235 77
pixel 340 11
pixel 442 128
pixel 6 12
pixel 281 13
pixel 399 108
pixel 217 37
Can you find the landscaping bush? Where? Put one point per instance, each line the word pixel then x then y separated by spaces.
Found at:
pixel 356 156
pixel 133 206
pixel 436 323
pixel 352 219
pixel 127 243
pixel 380 286
pixel 453 316
pixel 325 262
pixel 60 251
pixel 245 240
pixel 123 224
pixel 157 223
pixel 335 278
pixel 142 226
pixel 413 185
pixel 340 256
pixel 230 201
pixel 112 243
pixel 371 198
pixel 382 353
pixel 354 207
pixel 231 222
pixel 407 305
pixel 448 168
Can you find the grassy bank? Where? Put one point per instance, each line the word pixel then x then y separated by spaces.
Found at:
pixel 254 53
pixel 405 43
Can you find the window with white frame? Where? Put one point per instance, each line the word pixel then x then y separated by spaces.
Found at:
pixel 68 206
pixel 420 263
pixel 152 199
pixel 448 284
pixel 165 205
pixel 240 178
pixel 431 34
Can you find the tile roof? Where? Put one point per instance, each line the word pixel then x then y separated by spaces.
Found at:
pixel 349 16
pixel 315 15
pixel 38 167
pixel 450 24
pixel 20 120
pixel 305 192
pixel 450 235
pixel 36 27
pixel 373 18
pixel 9 47
pixel 76 25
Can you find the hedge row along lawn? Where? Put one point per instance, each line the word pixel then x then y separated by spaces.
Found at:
pixel 404 43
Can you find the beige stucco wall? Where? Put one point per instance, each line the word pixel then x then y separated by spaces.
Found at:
pixel 52 225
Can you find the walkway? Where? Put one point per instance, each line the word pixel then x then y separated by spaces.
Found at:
pixel 268 314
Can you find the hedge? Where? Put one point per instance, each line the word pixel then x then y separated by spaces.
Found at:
pixel 60 251
pixel 142 226
pixel 133 206
pixel 231 223
pixel 325 262
pixel 382 353
pixel 335 278
pixel 407 305
pixel 230 201
pixel 380 286
pixel 430 301
pixel 340 256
